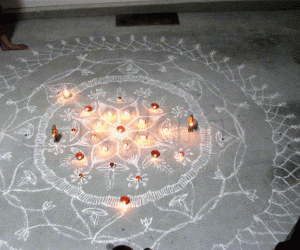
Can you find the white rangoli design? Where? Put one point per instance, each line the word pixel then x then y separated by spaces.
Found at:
pixel 184 190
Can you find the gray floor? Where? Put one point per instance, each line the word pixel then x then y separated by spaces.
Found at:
pixel 245 192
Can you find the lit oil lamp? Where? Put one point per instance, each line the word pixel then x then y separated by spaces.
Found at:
pixel 74 131
pixel 126 113
pixel 120 99
pixel 126 146
pixel 142 121
pixel 181 153
pixel 94 136
pixel 88 108
pixel 138 178
pixel 154 105
pixel 191 123
pixel 80 175
pixel 112 164
pixel 110 114
pixel 166 129
pixel 67 94
pixel 125 199
pixel 155 153
pixel 79 156
pixel 54 133
pixel 99 124
pixel 104 149
pixel 121 129
pixel 143 137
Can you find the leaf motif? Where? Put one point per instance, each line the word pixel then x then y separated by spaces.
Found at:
pixel 167 136
pixel 220 139
pixel 178 200
pixel 31 109
pixel 128 68
pixel 77 127
pixel 86 72
pixel 30 177
pixel 219 175
pixel 75 150
pixel 251 194
pixel 47 206
pixel 22 234
pixel 121 92
pixel 117 167
pixel 157 163
pixel 101 107
pixel 146 222
pixel 109 179
pixel 95 211
pixel 30 130
pixel 189 85
pixel 13 200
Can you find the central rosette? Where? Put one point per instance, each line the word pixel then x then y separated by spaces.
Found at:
pixel 118 136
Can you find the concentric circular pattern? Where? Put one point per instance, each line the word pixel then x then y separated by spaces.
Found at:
pixel 121 110
pixel 166 175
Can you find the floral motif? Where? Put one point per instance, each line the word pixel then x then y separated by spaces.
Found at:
pixel 80 176
pixel 95 214
pixel 22 234
pixel 69 115
pixel 29 177
pixel 180 201
pixel 146 222
pixel 141 92
pixel 7 156
pixel 96 96
pixel 184 159
pixel 47 206
pixel 56 147
pixel 136 182
pixel 179 112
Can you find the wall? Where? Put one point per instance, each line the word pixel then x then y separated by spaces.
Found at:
pixel 109 3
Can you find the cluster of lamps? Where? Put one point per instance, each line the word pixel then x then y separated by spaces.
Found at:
pixel 155 153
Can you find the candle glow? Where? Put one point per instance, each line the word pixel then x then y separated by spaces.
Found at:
pixel 166 129
pixel 126 113
pixel 181 153
pixel 125 199
pixel 120 99
pixel 99 124
pixel 143 137
pixel 74 130
pixel 155 153
pixel 154 105
pixel 88 108
pixel 110 114
pixel 79 156
pixel 121 129
pixel 126 146
pixel 94 136
pixel 142 121
pixel 104 148
pixel 67 94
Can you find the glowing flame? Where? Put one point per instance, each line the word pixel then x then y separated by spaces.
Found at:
pixel 67 94
pixel 166 129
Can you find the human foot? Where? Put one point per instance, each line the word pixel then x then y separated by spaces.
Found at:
pixel 14 47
